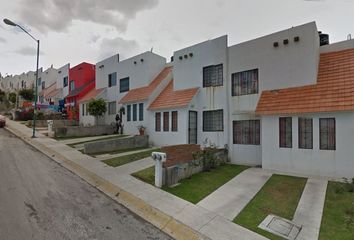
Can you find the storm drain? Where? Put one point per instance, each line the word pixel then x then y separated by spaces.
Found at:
pixel 280 227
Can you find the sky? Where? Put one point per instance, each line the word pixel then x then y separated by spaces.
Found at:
pixel 73 31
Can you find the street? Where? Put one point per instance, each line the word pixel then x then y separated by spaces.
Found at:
pixel 39 199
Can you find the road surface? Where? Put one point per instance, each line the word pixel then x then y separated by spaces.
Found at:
pixel 39 199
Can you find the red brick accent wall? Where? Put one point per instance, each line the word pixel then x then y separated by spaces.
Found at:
pixel 179 153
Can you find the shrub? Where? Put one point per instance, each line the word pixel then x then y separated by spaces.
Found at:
pixel 97 108
pixel 12 97
pixel 26 94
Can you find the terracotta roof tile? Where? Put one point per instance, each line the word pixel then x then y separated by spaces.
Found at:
pixel 334 90
pixel 173 99
pixel 47 90
pixel 92 94
pixel 143 93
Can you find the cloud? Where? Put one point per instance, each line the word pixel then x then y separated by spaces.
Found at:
pixel 28 51
pixel 58 15
pixel 124 47
pixel 2 40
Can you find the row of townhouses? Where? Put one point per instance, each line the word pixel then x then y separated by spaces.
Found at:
pixel 284 101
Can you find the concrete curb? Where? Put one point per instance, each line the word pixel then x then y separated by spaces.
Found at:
pixel 159 219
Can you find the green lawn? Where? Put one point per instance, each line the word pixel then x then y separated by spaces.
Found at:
pixel 118 161
pixel 337 212
pixel 199 185
pixel 279 196
pixel 118 151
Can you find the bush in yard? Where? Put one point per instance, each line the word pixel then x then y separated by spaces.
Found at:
pixel 26 94
pixel 97 108
pixel 12 97
pixel 2 96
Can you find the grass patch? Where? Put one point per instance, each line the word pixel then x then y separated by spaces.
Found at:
pixel 199 185
pixel 118 161
pixel 280 196
pixel 338 213
pixel 96 140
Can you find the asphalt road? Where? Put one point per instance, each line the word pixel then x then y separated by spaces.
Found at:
pixel 39 199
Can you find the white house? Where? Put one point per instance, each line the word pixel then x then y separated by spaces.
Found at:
pixel 119 77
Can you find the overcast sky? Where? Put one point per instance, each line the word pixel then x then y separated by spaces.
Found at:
pixel 90 30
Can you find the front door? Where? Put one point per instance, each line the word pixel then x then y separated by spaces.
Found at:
pixel 192 127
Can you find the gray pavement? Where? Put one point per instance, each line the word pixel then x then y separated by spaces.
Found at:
pixel 39 199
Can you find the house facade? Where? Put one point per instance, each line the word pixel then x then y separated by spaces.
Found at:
pixel 81 81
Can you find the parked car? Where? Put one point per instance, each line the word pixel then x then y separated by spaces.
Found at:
pixel 2 121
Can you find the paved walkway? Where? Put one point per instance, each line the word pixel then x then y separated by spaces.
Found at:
pixel 149 202
pixel 310 208
pixel 229 200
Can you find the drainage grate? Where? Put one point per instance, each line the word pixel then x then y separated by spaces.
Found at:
pixel 280 227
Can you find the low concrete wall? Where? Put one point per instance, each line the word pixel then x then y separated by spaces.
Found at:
pixel 116 144
pixel 56 123
pixel 79 131
pixel 172 174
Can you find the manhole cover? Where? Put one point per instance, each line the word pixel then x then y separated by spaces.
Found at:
pixel 280 227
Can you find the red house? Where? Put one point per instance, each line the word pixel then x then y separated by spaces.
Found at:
pixel 82 80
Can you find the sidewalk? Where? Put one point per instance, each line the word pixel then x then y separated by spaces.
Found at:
pixel 176 217
pixel 229 200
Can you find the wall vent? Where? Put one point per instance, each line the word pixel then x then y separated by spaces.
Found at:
pixel 286 41
pixel 297 39
pixel 275 44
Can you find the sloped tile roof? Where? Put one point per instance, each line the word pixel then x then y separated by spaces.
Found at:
pixel 173 99
pixel 54 93
pixel 333 92
pixel 47 90
pixel 92 94
pixel 143 93
pixel 77 91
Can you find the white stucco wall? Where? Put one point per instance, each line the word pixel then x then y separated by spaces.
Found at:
pixel 188 73
pixel 63 72
pixel 140 74
pixel 169 138
pixel 338 163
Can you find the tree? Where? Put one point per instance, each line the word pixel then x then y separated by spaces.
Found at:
pixel 12 97
pixel 27 94
pixel 97 108
pixel 2 95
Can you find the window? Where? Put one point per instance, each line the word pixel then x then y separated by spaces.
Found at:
pixel 86 107
pixel 305 133
pixel 244 83
pixel 213 76
pixel 72 85
pixel 246 132
pixel 65 81
pixel 157 122
pixel 141 111
pixel 285 132
pixel 129 116
pixel 213 121
pixel 39 81
pixel 327 134
pixel 134 112
pixel 112 108
pixel 112 79
pixel 166 118
pixel 124 85
pixel 83 109
pixel 174 121
pixel 43 85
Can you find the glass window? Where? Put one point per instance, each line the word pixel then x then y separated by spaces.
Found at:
pixel 72 85
pixel 141 111
pixel 244 83
pixel 166 121
pixel 83 109
pixel 305 133
pixel 285 132
pixel 112 79
pixel 112 108
pixel 174 121
pixel 135 112
pixel 65 81
pixel 39 81
pixel 157 122
pixel 213 121
pixel 246 132
pixel 43 85
pixel 327 134
pixel 213 76
pixel 129 116
pixel 124 85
